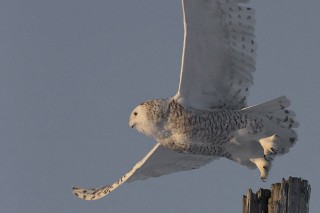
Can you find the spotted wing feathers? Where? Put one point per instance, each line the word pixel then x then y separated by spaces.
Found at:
pixel 159 161
pixel 219 54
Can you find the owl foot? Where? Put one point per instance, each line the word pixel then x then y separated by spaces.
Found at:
pixel 264 167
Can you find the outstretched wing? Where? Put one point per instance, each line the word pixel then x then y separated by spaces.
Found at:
pixel 218 54
pixel 159 161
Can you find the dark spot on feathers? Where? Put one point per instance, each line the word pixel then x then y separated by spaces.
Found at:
pixel 286 119
pixel 76 194
pixel 292 140
pixel 274 151
pixel 282 107
pixel 286 111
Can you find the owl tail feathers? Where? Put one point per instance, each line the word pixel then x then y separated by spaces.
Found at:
pixel 278 132
pixel 279 123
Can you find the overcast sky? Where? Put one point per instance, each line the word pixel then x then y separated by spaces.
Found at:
pixel 71 71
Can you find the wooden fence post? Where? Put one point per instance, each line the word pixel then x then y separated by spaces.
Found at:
pixel 289 196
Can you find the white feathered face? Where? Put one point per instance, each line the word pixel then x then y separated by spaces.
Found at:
pixel 137 117
pixel 147 117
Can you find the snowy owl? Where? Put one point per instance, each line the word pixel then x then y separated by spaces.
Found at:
pixel 209 118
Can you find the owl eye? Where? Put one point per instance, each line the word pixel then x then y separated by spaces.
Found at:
pixel 135 113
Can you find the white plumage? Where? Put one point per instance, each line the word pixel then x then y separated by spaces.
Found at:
pixel 219 54
pixel 208 118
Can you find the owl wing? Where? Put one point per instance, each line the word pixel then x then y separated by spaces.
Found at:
pixel 218 54
pixel 159 161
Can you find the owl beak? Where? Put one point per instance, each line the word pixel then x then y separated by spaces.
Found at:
pixel 132 124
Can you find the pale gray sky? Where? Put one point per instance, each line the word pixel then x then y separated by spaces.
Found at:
pixel 71 71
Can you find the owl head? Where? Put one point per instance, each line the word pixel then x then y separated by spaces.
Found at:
pixel 148 117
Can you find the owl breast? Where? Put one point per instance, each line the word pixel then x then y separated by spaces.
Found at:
pixel 202 132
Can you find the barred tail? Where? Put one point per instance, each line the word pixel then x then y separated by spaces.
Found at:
pixel 278 131
pixel 278 125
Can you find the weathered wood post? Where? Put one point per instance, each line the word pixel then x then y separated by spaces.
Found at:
pixel 289 196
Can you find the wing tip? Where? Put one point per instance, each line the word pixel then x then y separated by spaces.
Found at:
pixel 91 194
pixel 78 192
pixel 82 193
